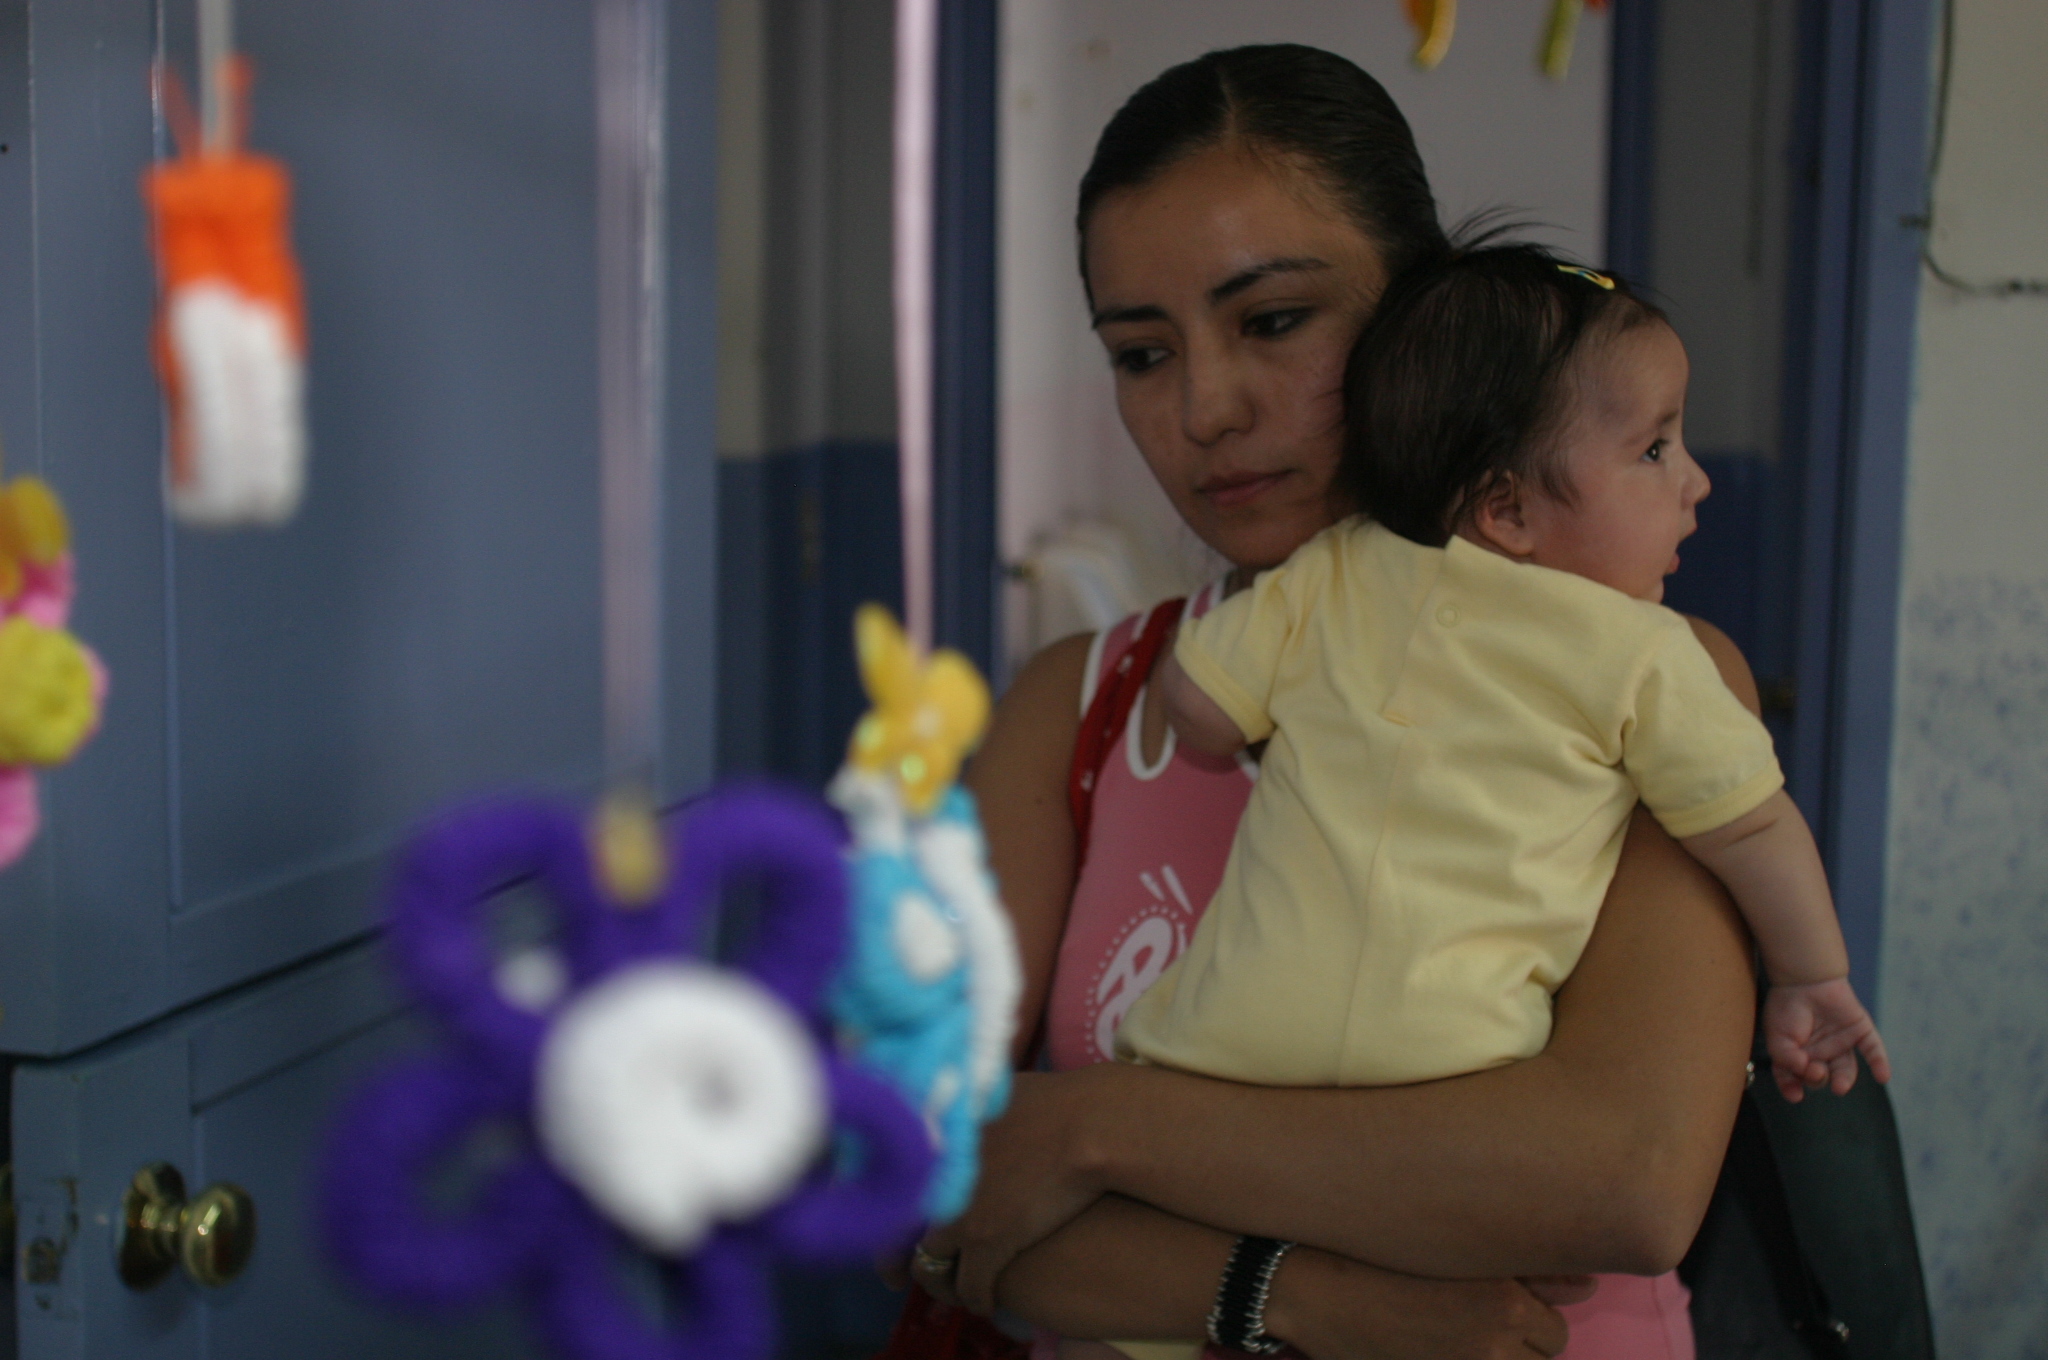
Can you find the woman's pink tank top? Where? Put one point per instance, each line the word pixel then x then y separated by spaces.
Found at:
pixel 1157 843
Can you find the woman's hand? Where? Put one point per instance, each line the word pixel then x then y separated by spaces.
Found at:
pixel 1331 1308
pixel 1034 1179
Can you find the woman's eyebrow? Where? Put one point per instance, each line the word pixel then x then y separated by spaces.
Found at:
pixel 1222 292
pixel 1237 283
pixel 1111 315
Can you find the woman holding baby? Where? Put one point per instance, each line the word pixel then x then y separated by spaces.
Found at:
pixel 1241 219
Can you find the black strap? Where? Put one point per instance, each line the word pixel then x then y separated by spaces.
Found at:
pixel 1801 1297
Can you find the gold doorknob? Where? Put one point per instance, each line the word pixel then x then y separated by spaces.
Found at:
pixel 211 1236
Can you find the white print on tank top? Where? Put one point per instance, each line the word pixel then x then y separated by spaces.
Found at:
pixel 1140 954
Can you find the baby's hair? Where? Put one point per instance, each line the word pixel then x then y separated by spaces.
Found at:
pixel 1461 379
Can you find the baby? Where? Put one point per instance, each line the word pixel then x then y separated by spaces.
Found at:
pixel 1466 689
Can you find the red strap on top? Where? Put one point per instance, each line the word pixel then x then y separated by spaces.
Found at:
pixel 929 1330
pixel 1115 695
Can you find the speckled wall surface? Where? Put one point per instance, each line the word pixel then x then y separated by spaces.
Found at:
pixel 1964 992
pixel 1966 954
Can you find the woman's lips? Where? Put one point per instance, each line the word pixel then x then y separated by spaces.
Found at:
pixel 1229 492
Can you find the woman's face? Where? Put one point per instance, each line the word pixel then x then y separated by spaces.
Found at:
pixel 1228 292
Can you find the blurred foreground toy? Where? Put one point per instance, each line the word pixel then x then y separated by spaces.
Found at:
pixel 1562 34
pixel 51 685
pixel 231 328
pixel 1435 22
pixel 929 994
pixel 655 1101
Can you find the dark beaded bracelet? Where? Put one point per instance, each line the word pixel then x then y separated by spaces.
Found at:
pixel 1238 1321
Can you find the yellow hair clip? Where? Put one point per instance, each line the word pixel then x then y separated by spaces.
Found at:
pixel 1592 276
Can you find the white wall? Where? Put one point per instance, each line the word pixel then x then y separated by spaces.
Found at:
pixel 1720 198
pixel 1493 131
pixel 1965 968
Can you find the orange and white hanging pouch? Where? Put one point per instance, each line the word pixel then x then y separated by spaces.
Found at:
pixel 231 324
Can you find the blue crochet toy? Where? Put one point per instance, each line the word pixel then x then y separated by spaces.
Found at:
pixel 928 994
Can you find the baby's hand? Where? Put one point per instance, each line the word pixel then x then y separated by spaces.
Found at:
pixel 1813 1031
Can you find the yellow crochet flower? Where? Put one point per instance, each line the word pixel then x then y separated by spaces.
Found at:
pixel 46 694
pixel 33 531
pixel 927 714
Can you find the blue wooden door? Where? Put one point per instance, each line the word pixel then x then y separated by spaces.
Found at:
pixel 285 703
pixel 237 1089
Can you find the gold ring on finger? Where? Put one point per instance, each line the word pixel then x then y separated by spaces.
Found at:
pixel 934 1265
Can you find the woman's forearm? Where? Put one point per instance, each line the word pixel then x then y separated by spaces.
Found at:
pixel 1119 1271
pixel 1126 1271
pixel 1597 1155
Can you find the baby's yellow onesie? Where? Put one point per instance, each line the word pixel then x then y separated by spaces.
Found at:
pixel 1457 741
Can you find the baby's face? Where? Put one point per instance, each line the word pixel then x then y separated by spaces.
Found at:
pixel 1635 485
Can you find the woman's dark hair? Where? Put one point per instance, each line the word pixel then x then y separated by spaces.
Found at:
pixel 1306 107
pixel 1459 381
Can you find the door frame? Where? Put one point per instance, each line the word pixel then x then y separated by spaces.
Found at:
pixel 966 565
pixel 1858 225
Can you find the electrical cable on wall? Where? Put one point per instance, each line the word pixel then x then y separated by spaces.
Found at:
pixel 2010 287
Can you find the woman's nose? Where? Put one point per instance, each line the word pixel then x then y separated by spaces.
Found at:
pixel 1214 400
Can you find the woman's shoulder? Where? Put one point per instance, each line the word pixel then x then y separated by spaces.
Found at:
pixel 1728 659
pixel 1023 758
pixel 1055 686
pixel 1042 694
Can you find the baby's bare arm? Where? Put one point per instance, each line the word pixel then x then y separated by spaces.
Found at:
pixel 1771 867
pixel 1813 1024
pixel 1197 720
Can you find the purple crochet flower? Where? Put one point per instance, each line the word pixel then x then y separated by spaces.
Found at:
pixel 715 1219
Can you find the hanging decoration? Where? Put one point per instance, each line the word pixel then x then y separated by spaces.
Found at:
pixel 1435 21
pixel 813 1100
pixel 1562 33
pixel 930 991
pixel 231 325
pixel 652 1100
pixel 51 685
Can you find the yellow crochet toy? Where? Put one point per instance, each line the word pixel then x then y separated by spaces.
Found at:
pixel 927 714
